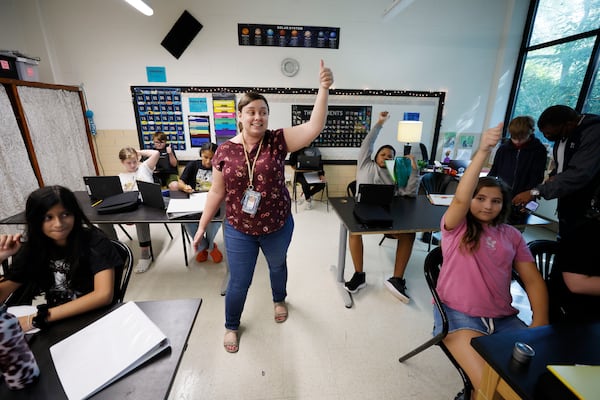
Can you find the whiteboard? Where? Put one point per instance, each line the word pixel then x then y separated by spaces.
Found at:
pixel 196 104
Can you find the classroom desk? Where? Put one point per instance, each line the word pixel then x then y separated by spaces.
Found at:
pixel 409 214
pixel 553 344
pixel 142 214
pixel 152 380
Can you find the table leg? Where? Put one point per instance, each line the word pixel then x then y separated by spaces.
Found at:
pixel 184 238
pixel 339 269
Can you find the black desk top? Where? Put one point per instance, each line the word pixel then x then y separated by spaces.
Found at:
pixel 553 344
pixel 152 380
pixel 410 215
pixel 141 214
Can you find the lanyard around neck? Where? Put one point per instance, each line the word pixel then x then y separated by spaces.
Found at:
pixel 251 167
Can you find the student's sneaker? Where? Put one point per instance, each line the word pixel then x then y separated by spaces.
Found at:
pixel 309 204
pixel 143 265
pixel 398 288
pixel 356 283
pixel 216 254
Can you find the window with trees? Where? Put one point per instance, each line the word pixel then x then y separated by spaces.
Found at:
pixel 558 63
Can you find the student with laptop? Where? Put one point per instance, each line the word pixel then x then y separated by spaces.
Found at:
pixel 374 171
pixel 136 170
pixel 197 177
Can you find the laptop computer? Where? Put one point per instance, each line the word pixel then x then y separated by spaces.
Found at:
pixel 372 205
pixel 101 187
pixel 151 194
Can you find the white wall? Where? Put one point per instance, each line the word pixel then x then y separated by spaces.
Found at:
pixel 467 48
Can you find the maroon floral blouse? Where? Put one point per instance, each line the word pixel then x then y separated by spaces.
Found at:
pixel 269 181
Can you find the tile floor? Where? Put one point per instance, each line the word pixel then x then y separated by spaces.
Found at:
pixel 323 351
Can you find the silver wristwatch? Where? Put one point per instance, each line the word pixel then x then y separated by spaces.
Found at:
pixel 534 192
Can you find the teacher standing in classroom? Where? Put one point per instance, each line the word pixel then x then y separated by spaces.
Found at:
pixel 249 174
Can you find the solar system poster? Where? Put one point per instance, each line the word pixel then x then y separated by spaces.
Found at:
pixel 288 36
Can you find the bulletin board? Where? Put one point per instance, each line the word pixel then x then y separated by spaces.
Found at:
pixel 45 141
pixel 191 116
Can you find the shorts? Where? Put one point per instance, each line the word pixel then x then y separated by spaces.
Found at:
pixel 458 320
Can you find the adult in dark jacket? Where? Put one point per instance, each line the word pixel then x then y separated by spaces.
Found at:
pixel 574 181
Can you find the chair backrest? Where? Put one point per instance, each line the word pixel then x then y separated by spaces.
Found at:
pixel 424 153
pixel 123 273
pixel 351 189
pixel 437 183
pixel 544 252
pixel 431 268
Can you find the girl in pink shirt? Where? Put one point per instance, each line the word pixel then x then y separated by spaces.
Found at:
pixel 480 251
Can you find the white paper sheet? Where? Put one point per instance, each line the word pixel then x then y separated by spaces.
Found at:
pixel 105 350
pixel 312 177
pixel 440 199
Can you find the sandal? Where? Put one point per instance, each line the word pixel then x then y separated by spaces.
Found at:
pixel 230 342
pixel 281 316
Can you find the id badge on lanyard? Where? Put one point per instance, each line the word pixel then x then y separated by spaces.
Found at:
pixel 250 201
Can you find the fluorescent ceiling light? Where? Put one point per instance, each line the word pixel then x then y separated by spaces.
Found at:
pixel 141 6
pixel 395 8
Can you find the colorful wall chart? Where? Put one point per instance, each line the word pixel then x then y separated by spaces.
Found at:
pixel 160 110
pixel 288 36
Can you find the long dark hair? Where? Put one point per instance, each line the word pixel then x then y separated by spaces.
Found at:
pixel 474 228
pixel 38 247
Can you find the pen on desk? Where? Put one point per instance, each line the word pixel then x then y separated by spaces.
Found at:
pixel 96 203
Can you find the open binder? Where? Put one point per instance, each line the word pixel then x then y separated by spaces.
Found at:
pixel 107 349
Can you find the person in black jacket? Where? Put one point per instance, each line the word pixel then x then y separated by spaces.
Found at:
pixel 574 181
pixel 520 161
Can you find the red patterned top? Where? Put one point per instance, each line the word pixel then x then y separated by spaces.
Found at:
pixel 269 181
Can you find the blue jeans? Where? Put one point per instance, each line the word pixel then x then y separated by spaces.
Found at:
pixel 486 326
pixel 242 253
pixel 209 235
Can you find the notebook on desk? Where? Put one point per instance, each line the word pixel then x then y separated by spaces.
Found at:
pixel 372 205
pixel 101 187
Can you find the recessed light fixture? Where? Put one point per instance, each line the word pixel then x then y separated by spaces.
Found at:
pixel 141 7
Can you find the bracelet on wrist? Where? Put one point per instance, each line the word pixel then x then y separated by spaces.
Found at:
pixel 40 321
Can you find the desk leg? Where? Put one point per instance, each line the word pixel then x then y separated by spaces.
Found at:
pixel 339 270
pixel 489 383
pixel 184 239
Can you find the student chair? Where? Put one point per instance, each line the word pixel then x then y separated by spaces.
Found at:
pixel 544 252
pixel 123 272
pixel 436 183
pixel 432 267
pixel 351 189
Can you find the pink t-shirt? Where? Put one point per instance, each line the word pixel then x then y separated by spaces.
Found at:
pixel 478 283
pixel 269 181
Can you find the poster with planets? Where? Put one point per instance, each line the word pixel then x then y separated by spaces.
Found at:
pixel 288 36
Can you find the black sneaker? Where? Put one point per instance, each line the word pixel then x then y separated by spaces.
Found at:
pixel 356 283
pixel 398 288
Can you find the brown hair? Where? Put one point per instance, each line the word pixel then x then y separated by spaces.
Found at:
pixel 127 153
pixel 248 98
pixel 471 238
pixel 521 127
pixel 160 136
